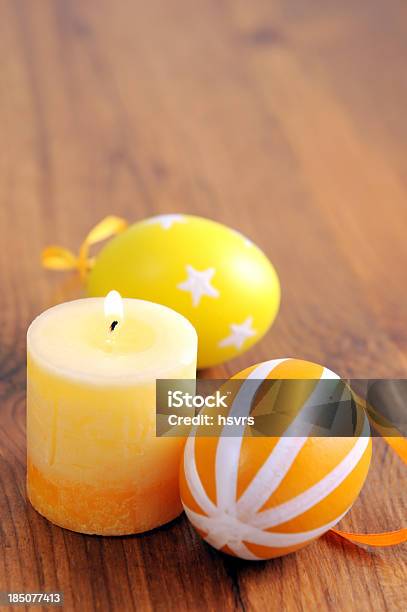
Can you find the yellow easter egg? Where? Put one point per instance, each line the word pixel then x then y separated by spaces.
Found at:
pixel 214 276
pixel 263 497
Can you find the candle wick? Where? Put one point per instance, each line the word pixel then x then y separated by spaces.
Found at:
pixel 113 325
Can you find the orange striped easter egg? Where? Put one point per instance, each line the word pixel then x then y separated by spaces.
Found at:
pixel 263 497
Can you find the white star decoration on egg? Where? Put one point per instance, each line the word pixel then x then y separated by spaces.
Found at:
pixel 198 284
pixel 239 334
pixel 167 221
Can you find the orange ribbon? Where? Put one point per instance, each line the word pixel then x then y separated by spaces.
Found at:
pixel 59 258
pixel 387 538
pixel 399 445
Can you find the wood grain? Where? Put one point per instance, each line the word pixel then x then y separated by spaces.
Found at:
pixel 285 120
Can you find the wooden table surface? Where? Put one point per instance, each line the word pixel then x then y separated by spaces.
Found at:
pixel 283 119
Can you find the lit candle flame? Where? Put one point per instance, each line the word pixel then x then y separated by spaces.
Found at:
pixel 113 306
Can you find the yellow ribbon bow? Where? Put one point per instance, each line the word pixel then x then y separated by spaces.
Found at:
pixel 58 258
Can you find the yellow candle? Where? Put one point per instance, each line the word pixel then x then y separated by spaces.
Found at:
pixel 94 463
